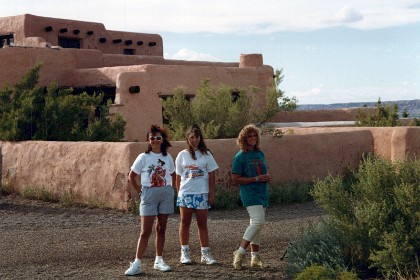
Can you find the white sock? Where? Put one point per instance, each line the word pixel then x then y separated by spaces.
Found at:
pixel 185 247
pixel 241 250
pixel 254 254
pixel 205 249
pixel 158 259
pixel 137 262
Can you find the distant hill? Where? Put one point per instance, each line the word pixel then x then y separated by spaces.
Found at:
pixel 412 106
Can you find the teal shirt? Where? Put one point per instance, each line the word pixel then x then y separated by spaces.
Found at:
pixel 251 164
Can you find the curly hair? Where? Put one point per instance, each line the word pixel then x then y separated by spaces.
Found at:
pixel 241 141
pixel 195 129
pixel 154 129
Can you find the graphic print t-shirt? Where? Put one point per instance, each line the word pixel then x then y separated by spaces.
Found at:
pixel 155 169
pixel 194 173
pixel 251 164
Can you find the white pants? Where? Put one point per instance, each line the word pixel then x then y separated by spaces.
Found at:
pixel 256 222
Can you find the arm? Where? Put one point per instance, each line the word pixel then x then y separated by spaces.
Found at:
pixel 132 178
pixel 178 182
pixel 212 180
pixel 174 180
pixel 245 180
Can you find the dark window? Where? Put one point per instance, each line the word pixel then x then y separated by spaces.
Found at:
pixel 129 51
pixel 71 43
pixel 6 40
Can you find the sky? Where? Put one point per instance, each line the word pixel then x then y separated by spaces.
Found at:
pixel 329 51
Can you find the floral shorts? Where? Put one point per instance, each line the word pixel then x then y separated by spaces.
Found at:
pixel 194 201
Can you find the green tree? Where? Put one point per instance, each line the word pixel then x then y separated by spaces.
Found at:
pixel 385 115
pixel 31 113
pixel 221 111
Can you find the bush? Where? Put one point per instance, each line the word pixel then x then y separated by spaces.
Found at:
pixel 36 193
pixel 316 272
pixel 30 113
pixel 319 244
pixel 377 215
pixel 386 115
pixel 292 192
pixel 222 111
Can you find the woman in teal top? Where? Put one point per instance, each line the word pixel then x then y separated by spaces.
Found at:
pixel 249 170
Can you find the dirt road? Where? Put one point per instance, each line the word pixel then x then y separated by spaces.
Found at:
pixel 41 240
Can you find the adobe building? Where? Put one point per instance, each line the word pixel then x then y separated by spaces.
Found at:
pixel 128 67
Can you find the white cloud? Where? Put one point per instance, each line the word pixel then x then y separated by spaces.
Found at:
pixel 221 16
pixel 186 54
pixel 348 14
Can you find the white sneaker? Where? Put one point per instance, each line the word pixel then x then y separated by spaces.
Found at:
pixel 133 270
pixel 207 257
pixel 186 256
pixel 162 266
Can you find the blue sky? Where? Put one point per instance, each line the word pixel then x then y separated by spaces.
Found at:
pixel 330 51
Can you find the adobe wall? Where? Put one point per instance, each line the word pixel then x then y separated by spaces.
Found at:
pixel 153 86
pixel 98 170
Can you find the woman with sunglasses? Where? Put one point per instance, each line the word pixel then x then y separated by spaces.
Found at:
pixel 156 170
pixel 249 170
pixel 195 181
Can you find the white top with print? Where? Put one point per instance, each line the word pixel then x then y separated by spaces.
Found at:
pixel 194 173
pixel 155 169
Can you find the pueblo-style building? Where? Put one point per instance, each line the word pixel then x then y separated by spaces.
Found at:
pixel 128 67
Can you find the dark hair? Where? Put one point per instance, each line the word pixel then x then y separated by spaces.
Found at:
pixel 165 144
pixel 194 129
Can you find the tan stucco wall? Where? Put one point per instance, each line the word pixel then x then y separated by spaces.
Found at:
pixel 96 170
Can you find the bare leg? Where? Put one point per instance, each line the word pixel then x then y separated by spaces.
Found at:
pixel 184 226
pixel 162 220
pixel 201 217
pixel 146 231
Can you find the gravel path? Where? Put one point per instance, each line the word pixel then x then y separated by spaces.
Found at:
pixel 47 241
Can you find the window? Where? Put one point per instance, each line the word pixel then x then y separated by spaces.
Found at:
pixel 129 51
pixel 6 40
pixel 72 43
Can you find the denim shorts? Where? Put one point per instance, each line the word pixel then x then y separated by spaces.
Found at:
pixel 194 201
pixel 156 200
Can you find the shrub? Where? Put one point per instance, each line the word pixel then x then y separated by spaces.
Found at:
pixel 377 215
pixel 30 113
pixel 222 111
pixel 316 272
pixel 319 244
pixel 386 115
pixel 291 192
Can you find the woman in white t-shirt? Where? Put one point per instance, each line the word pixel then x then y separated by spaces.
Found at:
pixel 195 181
pixel 157 176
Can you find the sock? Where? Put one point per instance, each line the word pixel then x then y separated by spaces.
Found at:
pixel 205 249
pixel 185 247
pixel 241 250
pixel 158 259
pixel 137 262
pixel 254 254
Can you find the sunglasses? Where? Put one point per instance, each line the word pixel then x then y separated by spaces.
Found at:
pixel 155 137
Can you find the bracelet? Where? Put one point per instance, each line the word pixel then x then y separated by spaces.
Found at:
pixel 256 179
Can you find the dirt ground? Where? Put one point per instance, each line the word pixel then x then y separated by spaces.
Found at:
pixel 41 240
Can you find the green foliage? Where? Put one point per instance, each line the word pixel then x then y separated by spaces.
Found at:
pixel 386 115
pixel 316 272
pixel 222 111
pixel 319 244
pixel 377 215
pixel 226 199
pixel 29 113
pixel 291 192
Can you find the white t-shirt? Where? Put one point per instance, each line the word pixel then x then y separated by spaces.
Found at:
pixel 155 169
pixel 194 173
